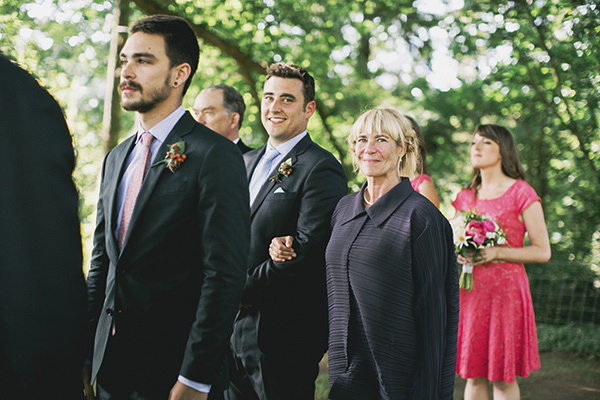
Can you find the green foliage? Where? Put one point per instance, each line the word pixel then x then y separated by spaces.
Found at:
pixel 322 386
pixel 526 65
pixel 532 61
pixel 577 339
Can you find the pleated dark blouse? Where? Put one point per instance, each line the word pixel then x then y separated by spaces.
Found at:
pixel 396 259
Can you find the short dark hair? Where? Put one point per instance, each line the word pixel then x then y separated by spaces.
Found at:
pixel 283 70
pixel 232 101
pixel 181 44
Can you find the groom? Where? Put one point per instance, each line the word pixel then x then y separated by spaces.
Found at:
pixel 280 333
pixel 171 239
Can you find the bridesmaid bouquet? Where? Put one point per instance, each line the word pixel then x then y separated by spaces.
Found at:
pixel 473 232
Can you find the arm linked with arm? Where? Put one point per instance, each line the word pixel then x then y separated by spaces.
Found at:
pixel 322 189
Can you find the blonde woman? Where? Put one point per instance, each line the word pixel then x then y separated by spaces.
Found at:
pixel 392 279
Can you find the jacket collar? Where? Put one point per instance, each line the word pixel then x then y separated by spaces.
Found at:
pixel 252 159
pixel 381 210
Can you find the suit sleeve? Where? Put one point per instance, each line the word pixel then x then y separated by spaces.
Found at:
pixel 436 311
pixel 97 274
pixel 323 188
pixel 224 225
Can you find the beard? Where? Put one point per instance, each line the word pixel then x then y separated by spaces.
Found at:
pixel 146 103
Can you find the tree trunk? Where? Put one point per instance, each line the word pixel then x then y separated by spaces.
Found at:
pixel 111 122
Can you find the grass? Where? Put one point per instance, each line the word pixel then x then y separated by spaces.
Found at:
pixel 570 358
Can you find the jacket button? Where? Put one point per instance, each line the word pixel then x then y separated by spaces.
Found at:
pixel 109 311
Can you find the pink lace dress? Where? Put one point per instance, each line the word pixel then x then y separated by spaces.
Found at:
pixel 496 333
pixel 415 183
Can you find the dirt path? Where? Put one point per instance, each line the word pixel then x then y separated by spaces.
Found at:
pixel 562 377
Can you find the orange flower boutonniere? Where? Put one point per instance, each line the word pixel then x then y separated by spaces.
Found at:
pixel 174 157
pixel 284 170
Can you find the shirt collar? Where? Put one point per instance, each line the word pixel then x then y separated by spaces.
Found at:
pixel 161 130
pixel 287 146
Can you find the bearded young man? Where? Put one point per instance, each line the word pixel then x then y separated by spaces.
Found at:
pixel 172 234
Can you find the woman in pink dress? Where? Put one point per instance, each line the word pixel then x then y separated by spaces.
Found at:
pixel 419 180
pixel 497 337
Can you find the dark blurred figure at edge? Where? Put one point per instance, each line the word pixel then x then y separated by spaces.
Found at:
pixel 42 289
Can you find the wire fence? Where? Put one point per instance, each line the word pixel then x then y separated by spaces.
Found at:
pixel 565 299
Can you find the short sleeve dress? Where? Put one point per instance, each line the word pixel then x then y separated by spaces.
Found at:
pixel 415 183
pixel 497 336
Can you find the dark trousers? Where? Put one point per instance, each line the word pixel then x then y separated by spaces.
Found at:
pixel 120 378
pixel 255 375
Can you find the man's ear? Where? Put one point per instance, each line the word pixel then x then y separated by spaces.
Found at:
pixel 310 109
pixel 234 120
pixel 181 73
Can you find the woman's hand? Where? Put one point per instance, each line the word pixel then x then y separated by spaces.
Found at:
pixel 487 255
pixel 281 249
pixel 462 260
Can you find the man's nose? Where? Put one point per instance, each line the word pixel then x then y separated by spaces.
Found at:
pixel 275 106
pixel 127 71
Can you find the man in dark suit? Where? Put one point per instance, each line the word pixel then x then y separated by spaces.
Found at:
pixel 221 108
pixel 280 333
pixel 42 288
pixel 167 273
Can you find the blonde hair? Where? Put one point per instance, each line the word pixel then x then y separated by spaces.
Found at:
pixel 396 125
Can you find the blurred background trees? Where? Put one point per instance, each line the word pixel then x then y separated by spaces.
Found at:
pixel 533 66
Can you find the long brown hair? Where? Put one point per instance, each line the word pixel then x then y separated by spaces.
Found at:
pixel 511 166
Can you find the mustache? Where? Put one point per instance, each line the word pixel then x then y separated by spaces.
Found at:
pixel 131 84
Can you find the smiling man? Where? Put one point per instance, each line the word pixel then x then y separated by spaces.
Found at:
pixel 280 333
pixel 172 234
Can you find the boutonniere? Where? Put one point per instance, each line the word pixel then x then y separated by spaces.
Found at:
pixel 174 157
pixel 284 170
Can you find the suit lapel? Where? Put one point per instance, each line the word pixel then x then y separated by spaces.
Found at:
pixel 182 128
pixel 267 188
pixel 120 158
pixel 251 161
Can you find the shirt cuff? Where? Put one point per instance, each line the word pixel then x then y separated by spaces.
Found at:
pixel 201 387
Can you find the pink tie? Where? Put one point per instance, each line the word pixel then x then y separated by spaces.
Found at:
pixel 135 186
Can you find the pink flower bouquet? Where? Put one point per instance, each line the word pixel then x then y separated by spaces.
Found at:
pixel 473 232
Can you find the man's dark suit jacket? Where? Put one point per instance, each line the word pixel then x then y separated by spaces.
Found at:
pixel 290 296
pixel 42 288
pixel 174 288
pixel 242 146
